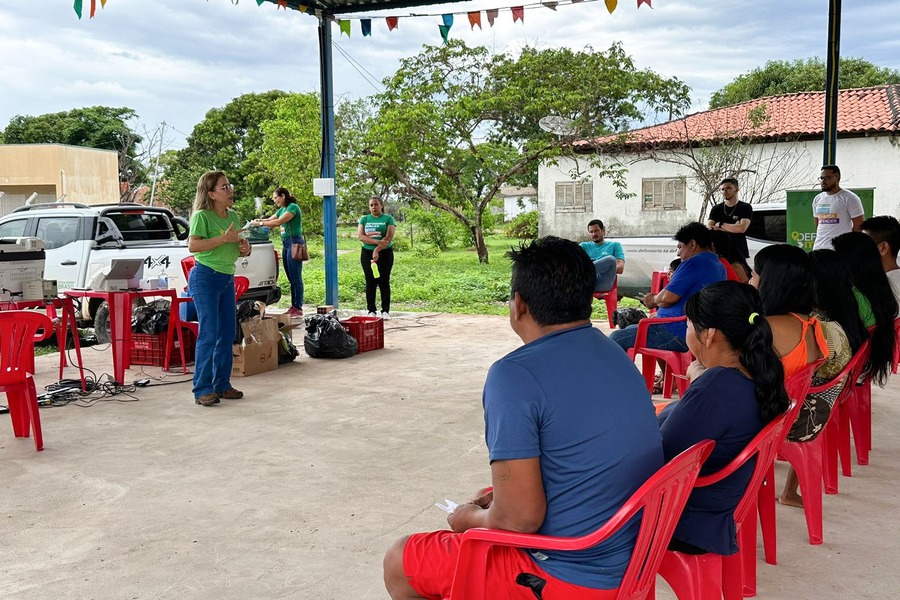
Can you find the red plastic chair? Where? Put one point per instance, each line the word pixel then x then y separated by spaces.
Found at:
pixel 710 576
pixel 896 361
pixel 187 263
pixel 612 301
pixel 677 363
pixel 661 498
pixel 19 330
pixel 176 325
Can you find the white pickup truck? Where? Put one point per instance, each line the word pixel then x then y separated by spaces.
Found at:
pixel 645 255
pixel 81 240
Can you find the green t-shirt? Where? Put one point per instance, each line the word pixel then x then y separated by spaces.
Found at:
pixel 865 308
pixel 294 227
pixel 376 228
pixel 207 224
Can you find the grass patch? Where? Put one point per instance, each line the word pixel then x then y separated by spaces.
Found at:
pixel 423 279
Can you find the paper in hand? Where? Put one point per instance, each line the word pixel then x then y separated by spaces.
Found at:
pixel 449 507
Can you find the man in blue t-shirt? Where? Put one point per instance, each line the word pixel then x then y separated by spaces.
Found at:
pixel 699 267
pixel 608 257
pixel 566 452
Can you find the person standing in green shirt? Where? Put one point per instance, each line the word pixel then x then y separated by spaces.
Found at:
pixel 376 232
pixel 288 218
pixel 215 243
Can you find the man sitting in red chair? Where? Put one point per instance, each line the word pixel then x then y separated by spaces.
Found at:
pixel 566 451
pixel 608 257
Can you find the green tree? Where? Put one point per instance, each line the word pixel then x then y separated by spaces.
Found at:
pixel 95 127
pixel 228 139
pixel 454 123
pixel 801 75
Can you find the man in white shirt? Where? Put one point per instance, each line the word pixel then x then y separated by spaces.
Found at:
pixel 835 210
pixel 885 230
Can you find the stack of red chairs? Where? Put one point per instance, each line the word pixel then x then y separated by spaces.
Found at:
pixel 677 363
pixel 612 301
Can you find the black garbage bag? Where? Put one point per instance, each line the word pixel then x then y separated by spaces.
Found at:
pixel 246 310
pixel 287 351
pixel 326 338
pixel 623 317
pixel 151 318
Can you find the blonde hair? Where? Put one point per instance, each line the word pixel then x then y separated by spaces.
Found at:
pixel 205 185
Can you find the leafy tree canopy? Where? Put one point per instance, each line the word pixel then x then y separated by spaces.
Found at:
pixel 456 123
pixel 801 75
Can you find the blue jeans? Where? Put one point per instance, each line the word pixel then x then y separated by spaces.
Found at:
pixel 658 336
pixel 606 273
pixel 213 294
pixel 293 269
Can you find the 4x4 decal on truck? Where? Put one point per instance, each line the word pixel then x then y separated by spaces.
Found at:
pixel 159 261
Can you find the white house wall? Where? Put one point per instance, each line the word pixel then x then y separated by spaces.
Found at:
pixel 872 162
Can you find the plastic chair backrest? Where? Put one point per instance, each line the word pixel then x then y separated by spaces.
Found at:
pixel 187 263
pixel 661 499
pixel 850 373
pixel 19 330
pixel 241 285
pixel 640 340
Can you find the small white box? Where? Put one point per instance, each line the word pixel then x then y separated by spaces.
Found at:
pixel 150 283
pixel 33 290
pixel 323 187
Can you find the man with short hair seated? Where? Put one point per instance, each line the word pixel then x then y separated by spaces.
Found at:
pixel 885 230
pixel 566 451
pixel 608 257
pixel 699 267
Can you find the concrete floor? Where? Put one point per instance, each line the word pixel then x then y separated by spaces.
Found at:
pixel 296 491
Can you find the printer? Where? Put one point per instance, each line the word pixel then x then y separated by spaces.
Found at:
pixel 22 260
pixel 121 275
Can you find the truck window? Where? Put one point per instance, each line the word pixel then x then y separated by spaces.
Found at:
pixel 13 228
pixel 57 231
pixel 769 225
pixel 139 226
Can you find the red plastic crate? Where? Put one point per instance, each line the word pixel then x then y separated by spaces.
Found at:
pixel 368 331
pixel 149 348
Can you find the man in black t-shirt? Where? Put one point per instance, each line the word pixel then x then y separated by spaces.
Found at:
pixel 732 216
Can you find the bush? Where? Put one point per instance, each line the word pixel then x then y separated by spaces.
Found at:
pixel 426 251
pixel 435 226
pixel 400 242
pixel 524 226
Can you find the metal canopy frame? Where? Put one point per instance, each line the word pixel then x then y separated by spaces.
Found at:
pixel 325 10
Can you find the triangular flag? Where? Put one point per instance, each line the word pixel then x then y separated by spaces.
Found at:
pixel 102 3
pixel 258 2
pixel 445 31
pixel 551 5
pixel 392 22
pixel 475 19
pixel 491 15
pixel 518 13
pixel 344 26
pixel 448 20
pixel 647 2
pixel 282 4
pixel 611 5
pixel 93 8
pixel 366 26
pixel 302 8
pixel 576 1
pixel 77 7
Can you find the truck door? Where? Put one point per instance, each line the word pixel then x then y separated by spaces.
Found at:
pixel 66 251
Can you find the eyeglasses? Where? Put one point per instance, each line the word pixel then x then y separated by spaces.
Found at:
pixel 826 177
pixel 225 188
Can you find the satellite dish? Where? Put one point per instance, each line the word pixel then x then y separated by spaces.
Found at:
pixel 558 125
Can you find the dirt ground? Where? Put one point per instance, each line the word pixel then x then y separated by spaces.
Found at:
pixel 297 490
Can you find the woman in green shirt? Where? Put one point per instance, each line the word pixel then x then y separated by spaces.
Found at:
pixel 376 232
pixel 288 218
pixel 216 245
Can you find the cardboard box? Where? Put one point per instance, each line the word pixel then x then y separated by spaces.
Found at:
pixel 259 351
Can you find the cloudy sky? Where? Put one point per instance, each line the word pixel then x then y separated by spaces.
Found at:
pixel 173 60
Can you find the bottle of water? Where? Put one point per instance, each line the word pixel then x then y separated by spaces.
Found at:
pixel 375 272
pixel 163 281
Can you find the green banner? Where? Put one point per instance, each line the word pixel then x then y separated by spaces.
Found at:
pixel 801 228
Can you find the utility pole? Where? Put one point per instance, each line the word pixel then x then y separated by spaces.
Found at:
pixel 162 133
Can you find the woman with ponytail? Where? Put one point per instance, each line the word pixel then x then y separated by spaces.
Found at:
pixel 739 393
pixel 289 218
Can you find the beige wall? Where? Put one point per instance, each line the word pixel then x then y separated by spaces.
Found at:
pixel 85 175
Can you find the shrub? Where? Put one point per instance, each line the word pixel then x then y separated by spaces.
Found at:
pixel 400 242
pixel 435 226
pixel 524 226
pixel 426 251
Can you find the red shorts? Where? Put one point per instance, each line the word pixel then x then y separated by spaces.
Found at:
pixel 429 561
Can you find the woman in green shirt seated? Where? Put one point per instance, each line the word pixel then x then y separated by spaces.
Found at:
pixel 288 218
pixel 376 232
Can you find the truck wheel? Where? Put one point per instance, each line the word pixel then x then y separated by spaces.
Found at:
pixel 101 321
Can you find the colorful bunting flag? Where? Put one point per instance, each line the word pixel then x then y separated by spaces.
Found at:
pixel 366 26
pixel 258 2
pixel 491 15
pixel 611 5
pixel 392 22
pixel 344 26
pixel 475 19
pixel 518 14
pixel 445 32
pixel 77 7
pixel 647 2
pixel 448 20
pixel 551 5
pixel 302 8
pixel 282 4
pixel 93 8
pixel 102 3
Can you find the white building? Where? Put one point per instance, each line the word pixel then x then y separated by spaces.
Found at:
pixel 784 152
pixel 517 200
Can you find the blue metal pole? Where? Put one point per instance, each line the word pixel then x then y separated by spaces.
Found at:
pixel 831 83
pixel 329 203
